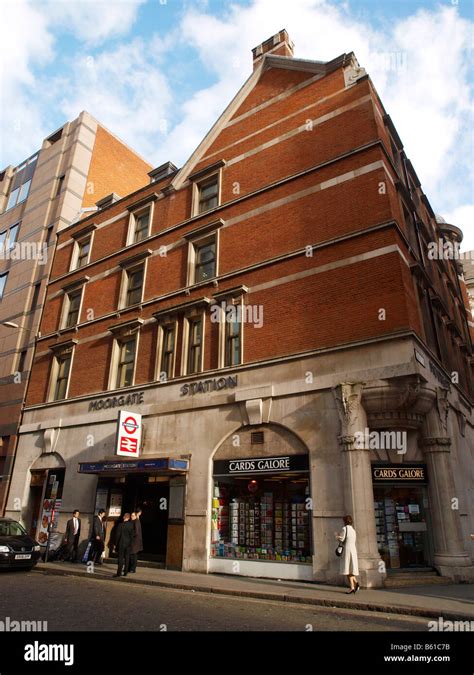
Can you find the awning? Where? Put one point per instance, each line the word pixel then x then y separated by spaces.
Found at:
pixel 161 465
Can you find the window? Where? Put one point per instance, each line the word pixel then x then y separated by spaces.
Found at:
pixel 194 346
pixel 12 235
pixel 49 232
pixel 126 362
pixel 142 225
pixel 60 185
pixel 208 194
pixel 73 303
pixel 63 366
pixel 83 250
pixel 232 342
pixel 205 257
pixel 21 361
pixel 134 286
pixel 168 340
pixel 140 219
pixel 34 300
pixel 3 281
pixel 21 182
pixel 3 237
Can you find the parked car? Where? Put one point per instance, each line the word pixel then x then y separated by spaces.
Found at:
pixel 17 548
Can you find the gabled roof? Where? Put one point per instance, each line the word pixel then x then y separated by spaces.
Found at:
pixel 269 61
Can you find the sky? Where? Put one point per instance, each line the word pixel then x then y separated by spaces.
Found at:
pixel 158 73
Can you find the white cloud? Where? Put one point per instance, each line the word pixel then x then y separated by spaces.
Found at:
pixel 124 89
pixel 28 32
pixel 24 40
pixel 93 21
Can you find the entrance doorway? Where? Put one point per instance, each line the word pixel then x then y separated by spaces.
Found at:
pixel 151 494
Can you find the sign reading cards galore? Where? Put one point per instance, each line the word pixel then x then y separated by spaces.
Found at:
pixel 402 473
pixel 230 467
pixel 129 431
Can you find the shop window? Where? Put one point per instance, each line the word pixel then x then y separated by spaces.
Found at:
pixel 400 520
pixel 261 518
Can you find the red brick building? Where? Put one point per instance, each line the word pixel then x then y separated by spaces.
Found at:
pixel 271 311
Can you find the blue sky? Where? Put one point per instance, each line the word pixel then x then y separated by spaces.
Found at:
pixel 158 73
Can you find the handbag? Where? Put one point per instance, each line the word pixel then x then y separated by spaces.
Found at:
pixel 340 547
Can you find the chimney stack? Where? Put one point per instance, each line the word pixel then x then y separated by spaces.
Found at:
pixel 279 44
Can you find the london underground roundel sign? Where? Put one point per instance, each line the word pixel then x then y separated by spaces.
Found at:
pixel 129 431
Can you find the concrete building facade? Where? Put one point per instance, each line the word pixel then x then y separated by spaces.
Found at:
pixel 271 312
pixel 76 166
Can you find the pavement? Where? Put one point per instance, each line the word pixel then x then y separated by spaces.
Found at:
pixel 450 601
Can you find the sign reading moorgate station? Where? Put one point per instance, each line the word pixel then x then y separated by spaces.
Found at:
pixel 117 401
pixel 215 384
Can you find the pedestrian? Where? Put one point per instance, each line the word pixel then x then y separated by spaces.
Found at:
pixel 137 544
pixel 123 545
pixel 349 561
pixel 71 538
pixel 98 537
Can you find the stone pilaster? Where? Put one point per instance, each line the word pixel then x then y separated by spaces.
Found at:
pixel 358 491
pixel 450 556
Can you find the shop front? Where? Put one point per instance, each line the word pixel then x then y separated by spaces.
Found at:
pixel 157 487
pixel 261 517
pixel 402 515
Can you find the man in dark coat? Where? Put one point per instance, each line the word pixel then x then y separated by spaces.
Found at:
pixel 98 538
pixel 123 544
pixel 137 544
pixel 71 538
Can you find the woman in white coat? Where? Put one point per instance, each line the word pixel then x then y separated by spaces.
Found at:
pixel 349 561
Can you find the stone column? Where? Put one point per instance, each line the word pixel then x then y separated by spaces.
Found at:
pixel 358 491
pixel 450 556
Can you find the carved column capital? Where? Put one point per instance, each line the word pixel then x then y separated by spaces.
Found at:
pixel 348 397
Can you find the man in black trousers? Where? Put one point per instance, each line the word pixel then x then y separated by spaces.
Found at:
pixel 98 537
pixel 71 538
pixel 137 544
pixel 123 544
